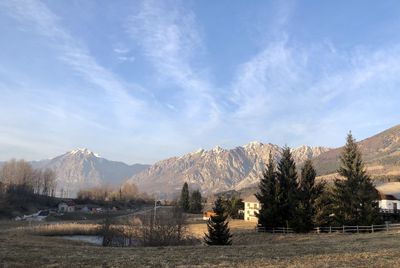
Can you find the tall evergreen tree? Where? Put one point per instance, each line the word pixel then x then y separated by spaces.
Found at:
pixel 324 208
pixel 217 226
pixel 354 197
pixel 287 191
pixel 267 196
pixel 195 202
pixel 184 200
pixel 308 193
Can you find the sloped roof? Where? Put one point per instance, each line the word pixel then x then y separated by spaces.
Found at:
pixel 386 197
pixel 67 202
pixel 390 188
pixel 250 198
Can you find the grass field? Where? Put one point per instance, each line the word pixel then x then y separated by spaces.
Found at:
pixel 237 226
pixel 250 249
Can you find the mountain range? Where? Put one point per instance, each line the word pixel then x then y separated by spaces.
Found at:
pixel 214 170
pixel 219 169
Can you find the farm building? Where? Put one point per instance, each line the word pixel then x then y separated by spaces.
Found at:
pixel 251 205
pixel 66 206
pixel 207 215
pixel 87 208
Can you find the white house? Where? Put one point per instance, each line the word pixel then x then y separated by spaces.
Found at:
pixel 388 202
pixel 389 196
pixel 66 207
pixel 251 205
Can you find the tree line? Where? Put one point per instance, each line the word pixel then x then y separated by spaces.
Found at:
pixel 301 203
pixel 128 192
pixel 190 202
pixel 19 175
pixel 23 188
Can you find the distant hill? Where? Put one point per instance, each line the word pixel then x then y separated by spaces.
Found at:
pixel 381 154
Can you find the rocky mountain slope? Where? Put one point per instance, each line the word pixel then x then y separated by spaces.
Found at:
pixel 215 170
pixel 82 168
pixel 381 154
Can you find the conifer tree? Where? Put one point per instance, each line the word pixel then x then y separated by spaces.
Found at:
pixel 184 201
pixel 355 198
pixel 217 225
pixel 267 196
pixel 235 205
pixel 324 208
pixel 287 191
pixel 195 202
pixel 308 193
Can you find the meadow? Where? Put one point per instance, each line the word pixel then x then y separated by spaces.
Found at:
pixel 22 249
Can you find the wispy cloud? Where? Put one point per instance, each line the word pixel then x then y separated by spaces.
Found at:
pixel 123 53
pixel 288 86
pixel 275 71
pixel 170 39
pixel 161 93
pixel 36 15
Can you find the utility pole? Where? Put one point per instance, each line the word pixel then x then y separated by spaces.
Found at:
pixel 155 210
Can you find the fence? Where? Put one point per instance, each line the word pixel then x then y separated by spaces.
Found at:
pixel 332 229
pixel 277 230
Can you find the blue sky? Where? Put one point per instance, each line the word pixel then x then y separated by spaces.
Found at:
pixel 140 81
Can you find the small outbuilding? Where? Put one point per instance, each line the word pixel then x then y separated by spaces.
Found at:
pixel 207 215
pixel 66 206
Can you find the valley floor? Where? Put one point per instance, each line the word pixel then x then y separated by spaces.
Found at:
pixel 250 249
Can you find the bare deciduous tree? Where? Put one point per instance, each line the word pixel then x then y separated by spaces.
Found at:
pixel 20 173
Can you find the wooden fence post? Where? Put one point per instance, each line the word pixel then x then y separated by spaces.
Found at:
pixel 387 227
pixel 343 228
pixel 357 229
pixel 330 229
pixel 372 227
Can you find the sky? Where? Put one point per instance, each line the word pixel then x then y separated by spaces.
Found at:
pixel 140 81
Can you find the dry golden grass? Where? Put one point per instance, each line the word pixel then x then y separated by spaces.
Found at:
pixel 250 249
pixel 198 229
pixel 64 229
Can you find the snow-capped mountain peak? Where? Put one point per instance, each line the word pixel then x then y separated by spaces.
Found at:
pixel 83 151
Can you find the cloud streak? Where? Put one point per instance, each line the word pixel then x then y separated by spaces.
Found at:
pixel 35 14
pixel 168 36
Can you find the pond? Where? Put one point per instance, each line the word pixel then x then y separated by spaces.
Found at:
pixel 98 240
pixel 92 239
